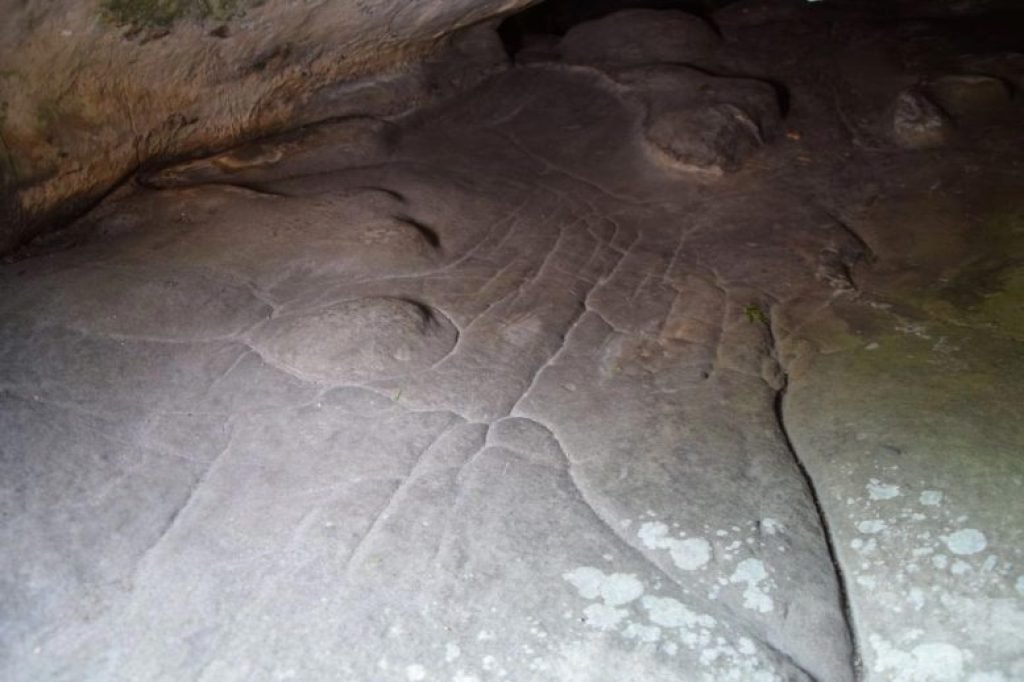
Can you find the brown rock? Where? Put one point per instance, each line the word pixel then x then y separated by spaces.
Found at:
pixel 917 123
pixel 970 96
pixel 92 90
pixel 697 122
pixel 635 37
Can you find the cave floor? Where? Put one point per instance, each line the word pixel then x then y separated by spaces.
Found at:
pixel 502 390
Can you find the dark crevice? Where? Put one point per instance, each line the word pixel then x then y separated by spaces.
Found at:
pixel 429 234
pixel 55 230
pixel 866 252
pixel 778 406
pixel 259 188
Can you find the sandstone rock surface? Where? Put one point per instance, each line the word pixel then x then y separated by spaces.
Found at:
pixel 493 392
pixel 89 91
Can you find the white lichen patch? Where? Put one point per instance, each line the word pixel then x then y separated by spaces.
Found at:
pixel 926 662
pixel 415 673
pixel 1020 585
pixel 960 567
pixel 643 633
pixel 615 589
pixel 604 617
pixel 672 613
pixel 913 329
pixel 988 677
pixel 669 624
pixel 966 541
pixel 872 526
pixel 882 491
pixel 922 561
pixel 752 574
pixel 688 554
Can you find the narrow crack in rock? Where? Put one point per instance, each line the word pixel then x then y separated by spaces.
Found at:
pixel 778 406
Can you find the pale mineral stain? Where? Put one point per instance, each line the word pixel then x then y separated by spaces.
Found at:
pixel 931 498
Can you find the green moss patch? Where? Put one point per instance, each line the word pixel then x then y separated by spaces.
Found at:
pixel 150 14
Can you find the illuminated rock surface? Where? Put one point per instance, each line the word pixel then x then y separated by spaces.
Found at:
pixel 495 392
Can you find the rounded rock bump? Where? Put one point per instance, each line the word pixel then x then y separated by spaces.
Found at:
pixel 359 340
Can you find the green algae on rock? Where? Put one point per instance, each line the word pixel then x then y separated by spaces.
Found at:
pixel 143 14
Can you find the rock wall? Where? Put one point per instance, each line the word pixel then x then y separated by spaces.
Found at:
pixel 91 90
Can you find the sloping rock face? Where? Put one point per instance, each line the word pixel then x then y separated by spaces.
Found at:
pixel 506 390
pixel 91 90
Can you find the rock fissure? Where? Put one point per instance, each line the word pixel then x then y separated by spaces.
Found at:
pixel 828 536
